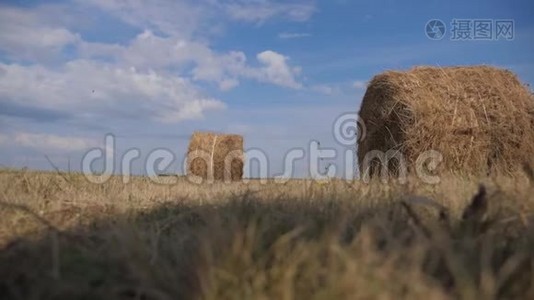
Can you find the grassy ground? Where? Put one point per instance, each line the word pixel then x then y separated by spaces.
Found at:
pixel 62 237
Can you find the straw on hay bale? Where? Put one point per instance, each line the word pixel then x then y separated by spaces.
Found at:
pixel 480 118
pixel 211 153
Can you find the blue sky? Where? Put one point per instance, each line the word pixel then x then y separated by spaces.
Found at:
pixel 278 72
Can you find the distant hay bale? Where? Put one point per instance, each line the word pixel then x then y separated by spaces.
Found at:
pixel 220 154
pixel 480 118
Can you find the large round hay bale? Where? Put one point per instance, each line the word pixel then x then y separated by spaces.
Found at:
pixel 218 154
pixel 479 118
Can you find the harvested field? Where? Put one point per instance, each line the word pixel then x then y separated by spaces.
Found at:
pixel 62 237
pixel 480 118
pixel 213 156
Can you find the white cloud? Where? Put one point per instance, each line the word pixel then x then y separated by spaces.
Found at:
pixel 86 89
pixel 222 68
pixel 325 89
pixel 293 35
pixel 193 109
pixel 93 50
pixel 185 18
pixel 276 70
pixel 3 138
pixel 228 68
pixel 259 11
pixel 53 142
pixel 228 84
pixel 171 17
pixel 149 51
pixel 359 84
pixel 177 51
pixel 152 77
pixel 26 35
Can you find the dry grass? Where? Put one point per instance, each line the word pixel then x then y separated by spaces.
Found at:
pixel 64 238
pixel 480 118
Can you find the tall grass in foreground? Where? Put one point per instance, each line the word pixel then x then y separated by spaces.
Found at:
pixel 64 238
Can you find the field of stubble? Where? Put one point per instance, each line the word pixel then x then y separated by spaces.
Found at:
pixel 62 237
